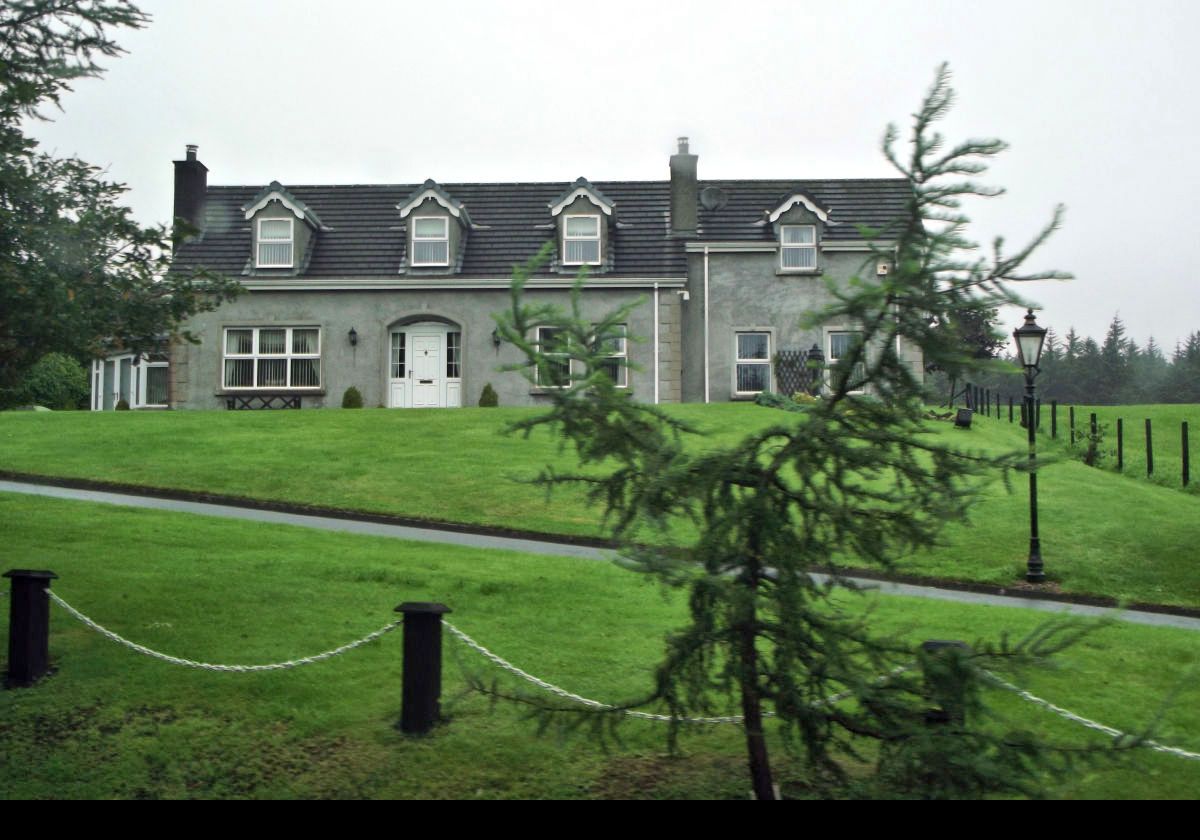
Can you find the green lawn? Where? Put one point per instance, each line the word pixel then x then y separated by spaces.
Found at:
pixel 113 724
pixel 1102 533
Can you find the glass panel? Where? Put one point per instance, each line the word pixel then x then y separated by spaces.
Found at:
pixel 306 341
pixel 126 377
pixel 583 226
pixel 306 373
pixel 582 251
pixel 277 254
pixel 616 371
pixel 753 378
pixel 799 234
pixel 272 342
pixel 433 252
pixel 239 342
pixel 753 346
pixel 239 373
pixel 614 343
pixel 398 355
pixel 842 344
pixel 156 385
pixel 275 229
pixel 272 373
pixel 429 229
pixel 453 355
pixel 800 257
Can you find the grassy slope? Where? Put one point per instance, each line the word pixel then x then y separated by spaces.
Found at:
pixel 1166 421
pixel 1102 533
pixel 111 723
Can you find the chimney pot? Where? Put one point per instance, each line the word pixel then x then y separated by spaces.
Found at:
pixel 683 145
pixel 192 148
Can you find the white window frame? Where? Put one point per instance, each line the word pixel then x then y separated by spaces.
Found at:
pixel 291 242
pixel 621 354
pixel 831 360
pixel 738 361
pixel 784 247
pixel 255 356
pixel 538 370
pixel 444 237
pixel 596 237
pixel 143 382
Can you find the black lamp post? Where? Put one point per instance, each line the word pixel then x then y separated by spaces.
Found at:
pixel 1030 338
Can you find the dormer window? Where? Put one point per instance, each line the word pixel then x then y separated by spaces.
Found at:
pixel 581 240
pixel 798 248
pixel 275 243
pixel 431 241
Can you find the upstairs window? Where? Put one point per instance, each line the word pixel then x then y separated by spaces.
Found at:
pixel 431 241
pixel 275 237
pixel 752 371
pixel 798 251
pixel 274 357
pixel 581 240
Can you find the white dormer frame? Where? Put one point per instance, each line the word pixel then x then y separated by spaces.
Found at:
pixel 443 238
pixel 565 202
pixel 275 195
pixel 595 237
pixel 410 206
pixel 799 198
pixel 290 241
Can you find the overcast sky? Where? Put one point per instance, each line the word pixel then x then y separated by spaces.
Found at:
pixel 1097 99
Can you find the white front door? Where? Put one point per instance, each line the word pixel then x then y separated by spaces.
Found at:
pixel 426 365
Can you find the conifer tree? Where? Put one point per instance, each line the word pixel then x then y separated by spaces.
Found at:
pixel 847 478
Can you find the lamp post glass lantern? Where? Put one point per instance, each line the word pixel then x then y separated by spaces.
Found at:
pixel 1030 338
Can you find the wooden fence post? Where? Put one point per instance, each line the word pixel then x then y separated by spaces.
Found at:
pixel 28 627
pixel 1186 461
pixel 1120 445
pixel 421 705
pixel 1149 450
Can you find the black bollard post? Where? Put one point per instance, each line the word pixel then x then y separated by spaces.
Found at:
pixel 1072 424
pixel 1187 467
pixel 1053 418
pixel 1120 445
pixel 945 684
pixel 28 627
pixel 1149 449
pixel 1010 410
pixel 421 707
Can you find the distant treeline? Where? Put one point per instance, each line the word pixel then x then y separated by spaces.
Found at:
pixel 1117 371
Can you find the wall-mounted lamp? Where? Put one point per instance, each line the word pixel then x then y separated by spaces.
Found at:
pixel 496 338
pixel 353 336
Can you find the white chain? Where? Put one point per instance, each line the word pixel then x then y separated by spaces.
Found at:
pixel 208 666
pixel 596 704
pixel 1090 724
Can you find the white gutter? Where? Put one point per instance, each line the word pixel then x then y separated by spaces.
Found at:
pixel 706 323
pixel 656 369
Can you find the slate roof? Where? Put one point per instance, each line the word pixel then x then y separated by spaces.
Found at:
pixel 364 235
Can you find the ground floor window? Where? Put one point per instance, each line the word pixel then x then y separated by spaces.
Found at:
pixel 842 345
pixel 616 346
pixel 555 372
pixel 752 373
pixel 279 358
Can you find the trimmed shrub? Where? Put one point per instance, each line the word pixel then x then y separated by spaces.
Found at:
pixel 122 405
pixel 352 398
pixel 56 381
pixel 489 398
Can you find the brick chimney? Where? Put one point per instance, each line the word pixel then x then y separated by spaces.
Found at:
pixel 685 192
pixel 191 186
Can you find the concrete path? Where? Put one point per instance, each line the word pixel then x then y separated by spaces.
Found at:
pixel 494 543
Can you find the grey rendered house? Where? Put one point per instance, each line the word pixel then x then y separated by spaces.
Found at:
pixel 391 288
